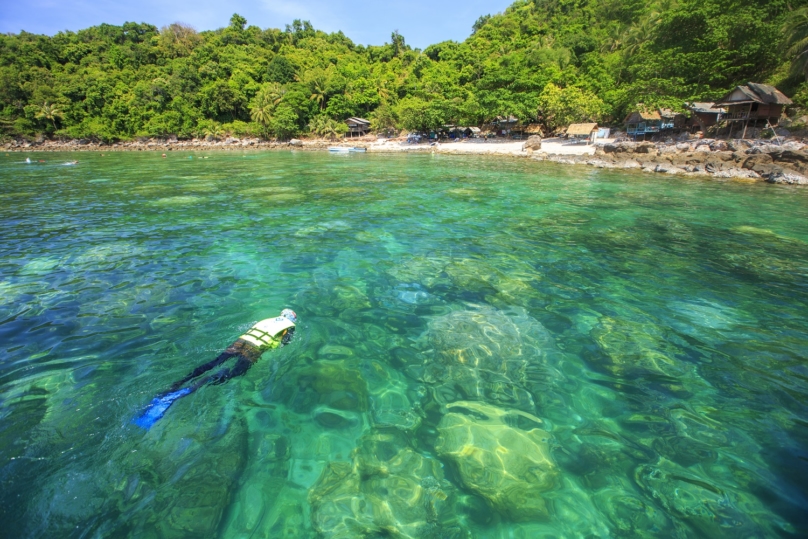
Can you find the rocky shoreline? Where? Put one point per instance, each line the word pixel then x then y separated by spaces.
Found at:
pixel 785 163
pixel 755 160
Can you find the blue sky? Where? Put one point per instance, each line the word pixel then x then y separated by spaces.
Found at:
pixel 421 22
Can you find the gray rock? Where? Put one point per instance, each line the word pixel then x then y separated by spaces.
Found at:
pixel 533 143
pixel 683 147
pixel 719 146
pixel 668 169
pixel 295 142
pixel 787 176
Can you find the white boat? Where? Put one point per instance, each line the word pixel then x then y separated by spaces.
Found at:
pixel 345 149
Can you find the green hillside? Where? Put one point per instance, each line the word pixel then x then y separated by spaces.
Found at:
pixel 555 60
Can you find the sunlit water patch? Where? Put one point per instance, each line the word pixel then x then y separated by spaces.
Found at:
pixel 487 348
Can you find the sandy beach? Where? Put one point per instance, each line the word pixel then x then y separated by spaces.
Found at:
pixel 555 146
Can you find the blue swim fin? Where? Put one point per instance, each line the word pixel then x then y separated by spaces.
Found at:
pixel 157 408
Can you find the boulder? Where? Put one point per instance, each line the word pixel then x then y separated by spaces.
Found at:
pixel 295 142
pixel 683 147
pixel 757 159
pixel 533 143
pixel 501 455
pixel 387 490
pixel 646 147
pixel 787 176
pixel 719 146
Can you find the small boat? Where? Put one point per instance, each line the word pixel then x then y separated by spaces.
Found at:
pixel 345 149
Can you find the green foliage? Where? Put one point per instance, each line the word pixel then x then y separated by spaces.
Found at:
pixel 562 60
pixel 562 107
pixel 324 126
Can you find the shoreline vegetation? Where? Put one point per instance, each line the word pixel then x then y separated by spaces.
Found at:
pixel 753 160
pixel 542 63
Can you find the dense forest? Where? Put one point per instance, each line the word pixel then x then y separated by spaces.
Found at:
pixel 554 61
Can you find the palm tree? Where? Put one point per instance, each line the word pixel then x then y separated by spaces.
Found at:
pixel 640 33
pixel 275 92
pixel 264 103
pixel 49 112
pixel 796 39
pixel 318 91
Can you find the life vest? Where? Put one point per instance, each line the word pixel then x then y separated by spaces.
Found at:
pixel 268 333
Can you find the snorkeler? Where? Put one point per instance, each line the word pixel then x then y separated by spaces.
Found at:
pixel 265 335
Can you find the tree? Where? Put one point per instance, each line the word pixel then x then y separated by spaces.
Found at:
pixel 795 31
pixel 49 112
pixel 237 22
pixel 561 107
pixel 261 108
pixel 280 70
pixel 284 122
pixel 324 126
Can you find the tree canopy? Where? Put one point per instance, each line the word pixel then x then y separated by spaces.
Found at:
pixel 553 60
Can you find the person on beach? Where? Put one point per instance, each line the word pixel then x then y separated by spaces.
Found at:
pixel 265 335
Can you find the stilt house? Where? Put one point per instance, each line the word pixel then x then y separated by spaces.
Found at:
pixel 756 103
pixel 357 126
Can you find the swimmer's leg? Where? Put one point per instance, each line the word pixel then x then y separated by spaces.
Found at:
pixel 202 369
pixel 242 365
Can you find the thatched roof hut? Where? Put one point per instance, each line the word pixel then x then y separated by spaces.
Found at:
pixel 640 116
pixel 581 129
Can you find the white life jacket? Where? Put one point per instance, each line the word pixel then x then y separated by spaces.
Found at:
pixel 268 333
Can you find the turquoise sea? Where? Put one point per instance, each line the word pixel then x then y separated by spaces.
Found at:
pixel 486 348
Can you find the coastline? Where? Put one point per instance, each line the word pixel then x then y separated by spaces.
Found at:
pixel 749 160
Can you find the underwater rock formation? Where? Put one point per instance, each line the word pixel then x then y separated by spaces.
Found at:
pixel 386 490
pixel 486 354
pixel 501 455
pixel 711 508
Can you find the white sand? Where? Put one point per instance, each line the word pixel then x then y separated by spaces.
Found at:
pixel 478 146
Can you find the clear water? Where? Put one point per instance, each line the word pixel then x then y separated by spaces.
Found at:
pixel 487 348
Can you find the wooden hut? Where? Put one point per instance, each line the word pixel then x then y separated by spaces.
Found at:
pixel 753 102
pixel 581 131
pixel 357 126
pixel 671 119
pixel 705 114
pixel 643 123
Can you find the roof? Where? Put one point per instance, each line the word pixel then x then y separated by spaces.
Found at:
pixel 755 93
pixel 358 121
pixel 533 128
pixel 509 119
pixel 474 129
pixel 704 108
pixel 581 129
pixel 668 113
pixel 640 116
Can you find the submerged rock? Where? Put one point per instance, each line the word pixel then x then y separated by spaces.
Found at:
pixel 387 490
pixel 486 354
pixel 501 455
pixel 711 508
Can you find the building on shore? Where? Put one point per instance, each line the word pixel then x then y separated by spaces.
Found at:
pixel 642 123
pixel 582 131
pixel 756 103
pixel 357 126
pixel 704 114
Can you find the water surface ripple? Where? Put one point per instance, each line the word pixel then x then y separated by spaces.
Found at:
pixel 487 348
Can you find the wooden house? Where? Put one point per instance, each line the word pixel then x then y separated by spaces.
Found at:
pixel 753 103
pixel 643 123
pixel 704 114
pixel 357 126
